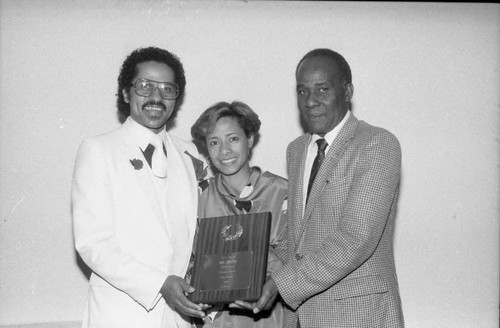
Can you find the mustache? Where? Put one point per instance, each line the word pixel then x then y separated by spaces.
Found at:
pixel 155 103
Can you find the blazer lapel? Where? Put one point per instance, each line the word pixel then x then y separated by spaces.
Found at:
pixel 336 151
pixel 142 177
pixel 298 167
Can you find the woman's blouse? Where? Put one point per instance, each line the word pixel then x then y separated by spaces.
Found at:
pixel 265 192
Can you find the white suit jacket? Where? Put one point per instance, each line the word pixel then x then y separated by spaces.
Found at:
pixel 123 235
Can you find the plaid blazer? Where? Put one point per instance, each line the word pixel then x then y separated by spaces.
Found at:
pixel 339 269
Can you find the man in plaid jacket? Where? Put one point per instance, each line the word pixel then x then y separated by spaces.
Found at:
pixel 339 265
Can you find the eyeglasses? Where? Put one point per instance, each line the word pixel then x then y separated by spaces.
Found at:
pixel 146 88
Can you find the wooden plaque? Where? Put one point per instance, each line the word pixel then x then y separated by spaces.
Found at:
pixel 230 258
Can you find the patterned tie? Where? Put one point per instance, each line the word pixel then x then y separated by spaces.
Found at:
pixel 322 144
pixel 243 205
pixel 159 159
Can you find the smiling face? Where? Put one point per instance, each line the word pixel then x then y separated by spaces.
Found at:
pixel 229 149
pixel 321 95
pixel 151 112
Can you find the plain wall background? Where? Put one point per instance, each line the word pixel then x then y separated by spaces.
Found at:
pixel 428 72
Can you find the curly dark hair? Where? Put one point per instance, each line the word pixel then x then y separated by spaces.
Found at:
pixel 129 71
pixel 244 115
pixel 345 69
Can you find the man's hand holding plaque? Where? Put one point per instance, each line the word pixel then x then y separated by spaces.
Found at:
pixel 174 292
pixel 265 302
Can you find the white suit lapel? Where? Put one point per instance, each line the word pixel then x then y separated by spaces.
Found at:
pixel 193 192
pixel 182 208
pixel 143 176
pixel 182 167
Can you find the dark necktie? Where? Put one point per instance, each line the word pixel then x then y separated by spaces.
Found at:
pixel 322 144
pixel 148 153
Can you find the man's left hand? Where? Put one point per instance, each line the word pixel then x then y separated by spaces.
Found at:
pixel 266 300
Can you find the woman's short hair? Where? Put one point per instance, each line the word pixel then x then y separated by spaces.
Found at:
pixel 244 115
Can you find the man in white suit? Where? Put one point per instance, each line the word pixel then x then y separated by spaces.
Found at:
pixel 339 269
pixel 134 200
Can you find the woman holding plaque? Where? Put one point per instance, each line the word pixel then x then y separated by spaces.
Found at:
pixel 226 133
